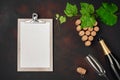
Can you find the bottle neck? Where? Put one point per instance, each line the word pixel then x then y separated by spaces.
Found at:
pixel 105 48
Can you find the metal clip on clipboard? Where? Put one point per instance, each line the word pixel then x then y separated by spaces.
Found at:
pixel 35 19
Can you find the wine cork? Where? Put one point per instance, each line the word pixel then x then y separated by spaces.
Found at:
pixel 77 22
pixel 90 29
pixel 87 43
pixel 96 23
pixel 81 33
pixel 84 38
pixel 87 32
pixel 81 70
pixel 90 38
pixel 78 28
pixel 96 28
pixel 93 33
pixel 85 28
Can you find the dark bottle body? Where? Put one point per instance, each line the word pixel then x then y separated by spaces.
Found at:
pixel 111 60
pixel 114 66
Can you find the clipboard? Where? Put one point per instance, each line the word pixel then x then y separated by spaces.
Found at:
pixel 35 44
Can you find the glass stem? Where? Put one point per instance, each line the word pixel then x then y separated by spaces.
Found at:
pixel 106 77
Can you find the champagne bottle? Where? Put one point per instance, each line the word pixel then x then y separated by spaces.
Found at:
pixel 114 64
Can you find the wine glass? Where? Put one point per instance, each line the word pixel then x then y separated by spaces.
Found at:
pixel 96 66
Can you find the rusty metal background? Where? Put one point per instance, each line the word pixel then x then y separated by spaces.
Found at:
pixel 69 50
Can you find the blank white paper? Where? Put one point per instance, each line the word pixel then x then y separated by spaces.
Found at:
pixel 35 45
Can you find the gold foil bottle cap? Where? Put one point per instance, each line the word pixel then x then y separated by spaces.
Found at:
pixel 104 46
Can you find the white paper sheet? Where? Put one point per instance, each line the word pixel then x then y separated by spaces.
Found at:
pixel 35 45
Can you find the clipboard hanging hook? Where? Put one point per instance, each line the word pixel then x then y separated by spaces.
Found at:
pixel 35 17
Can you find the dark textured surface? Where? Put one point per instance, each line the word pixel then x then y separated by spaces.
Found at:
pixel 69 50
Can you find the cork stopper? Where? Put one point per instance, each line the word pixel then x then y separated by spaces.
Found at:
pixel 81 70
pixel 78 28
pixel 77 22
pixel 81 33
pixel 87 33
pixel 87 43
pixel 93 33
pixel 96 28
pixel 90 38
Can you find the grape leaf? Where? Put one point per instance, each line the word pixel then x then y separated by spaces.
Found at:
pixel 71 10
pixel 62 19
pixel 87 21
pixel 112 8
pixel 86 8
pixel 106 13
pixel 57 16
pixel 87 18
